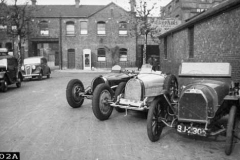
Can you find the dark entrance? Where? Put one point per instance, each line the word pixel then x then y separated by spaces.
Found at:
pixel 71 58
pixel 152 50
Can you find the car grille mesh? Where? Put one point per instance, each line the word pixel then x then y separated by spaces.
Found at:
pixel 192 106
pixel 28 70
pixel 133 90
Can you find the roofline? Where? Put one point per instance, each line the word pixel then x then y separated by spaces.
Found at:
pixel 106 7
pixel 224 6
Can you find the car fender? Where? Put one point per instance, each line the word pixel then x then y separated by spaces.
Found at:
pixel 2 74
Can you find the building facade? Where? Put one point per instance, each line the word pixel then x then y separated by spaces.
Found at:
pixel 213 36
pixel 65 37
pixel 185 9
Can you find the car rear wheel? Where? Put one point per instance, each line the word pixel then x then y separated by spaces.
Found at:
pixel 40 75
pixel 171 86
pixel 18 84
pixel 120 90
pixel 100 106
pixel 4 85
pixel 74 92
pixel 49 72
pixel 230 130
pixel 154 123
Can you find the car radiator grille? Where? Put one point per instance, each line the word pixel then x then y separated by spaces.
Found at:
pixel 28 70
pixel 192 106
pixel 133 90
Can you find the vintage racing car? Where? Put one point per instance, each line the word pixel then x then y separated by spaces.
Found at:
pixel 206 97
pixel 9 70
pixel 76 93
pixel 35 67
pixel 136 94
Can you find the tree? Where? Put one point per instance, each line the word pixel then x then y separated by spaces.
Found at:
pixel 143 27
pixel 19 19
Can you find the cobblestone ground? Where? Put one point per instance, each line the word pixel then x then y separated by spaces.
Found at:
pixel 37 121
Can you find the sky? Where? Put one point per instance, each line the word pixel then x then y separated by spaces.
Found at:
pixel 122 3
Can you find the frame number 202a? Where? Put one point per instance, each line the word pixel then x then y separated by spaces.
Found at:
pixel 9 155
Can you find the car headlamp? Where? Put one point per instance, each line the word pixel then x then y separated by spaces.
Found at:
pixel 33 67
pixel 22 68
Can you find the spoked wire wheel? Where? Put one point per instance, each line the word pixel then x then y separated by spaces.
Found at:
pixel 100 102
pixel 154 123
pixel 171 85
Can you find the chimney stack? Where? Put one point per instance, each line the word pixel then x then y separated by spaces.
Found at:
pixel 133 5
pixel 34 2
pixel 77 3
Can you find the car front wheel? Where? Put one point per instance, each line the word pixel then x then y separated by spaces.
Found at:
pixel 74 92
pixel 154 123
pixel 100 105
pixel 40 75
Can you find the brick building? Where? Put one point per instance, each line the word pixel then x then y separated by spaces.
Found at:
pixel 65 32
pixel 185 9
pixel 213 36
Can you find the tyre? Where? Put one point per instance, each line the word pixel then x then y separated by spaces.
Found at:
pixel 120 89
pixel 154 124
pixel 18 84
pixel 100 106
pixel 40 75
pixel 171 86
pixel 73 93
pixel 5 85
pixel 230 130
pixel 49 72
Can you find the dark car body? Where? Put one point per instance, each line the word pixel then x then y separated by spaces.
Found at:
pixel 206 96
pixel 35 67
pixel 9 71
pixel 76 93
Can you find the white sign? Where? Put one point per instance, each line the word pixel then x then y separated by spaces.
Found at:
pixel 164 25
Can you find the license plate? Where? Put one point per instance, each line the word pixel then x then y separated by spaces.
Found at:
pixel 190 130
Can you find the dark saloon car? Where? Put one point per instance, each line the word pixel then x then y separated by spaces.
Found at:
pixel 76 93
pixel 207 104
pixel 9 70
pixel 35 67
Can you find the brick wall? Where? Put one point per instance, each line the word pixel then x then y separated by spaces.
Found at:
pixel 215 40
pixel 93 41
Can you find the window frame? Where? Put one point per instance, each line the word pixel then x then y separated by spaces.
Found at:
pixel 122 28
pixel 102 58
pixel 44 28
pixel 83 31
pixel 165 48
pixel 123 56
pixel 70 32
pixel 99 29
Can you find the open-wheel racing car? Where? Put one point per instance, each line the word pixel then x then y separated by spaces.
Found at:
pixel 207 96
pixel 136 94
pixel 76 93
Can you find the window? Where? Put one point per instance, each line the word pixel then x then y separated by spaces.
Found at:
pixel 101 55
pixel 101 28
pixel 9 46
pixel 70 28
pixel 44 31
pixel 0 45
pixel 123 55
pixel 165 47
pixel 123 28
pixel 191 41
pixel 83 27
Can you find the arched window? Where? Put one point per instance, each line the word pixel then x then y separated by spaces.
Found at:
pixel 70 28
pixel 122 28
pixel 123 54
pixel 101 28
pixel 44 30
pixel 101 53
